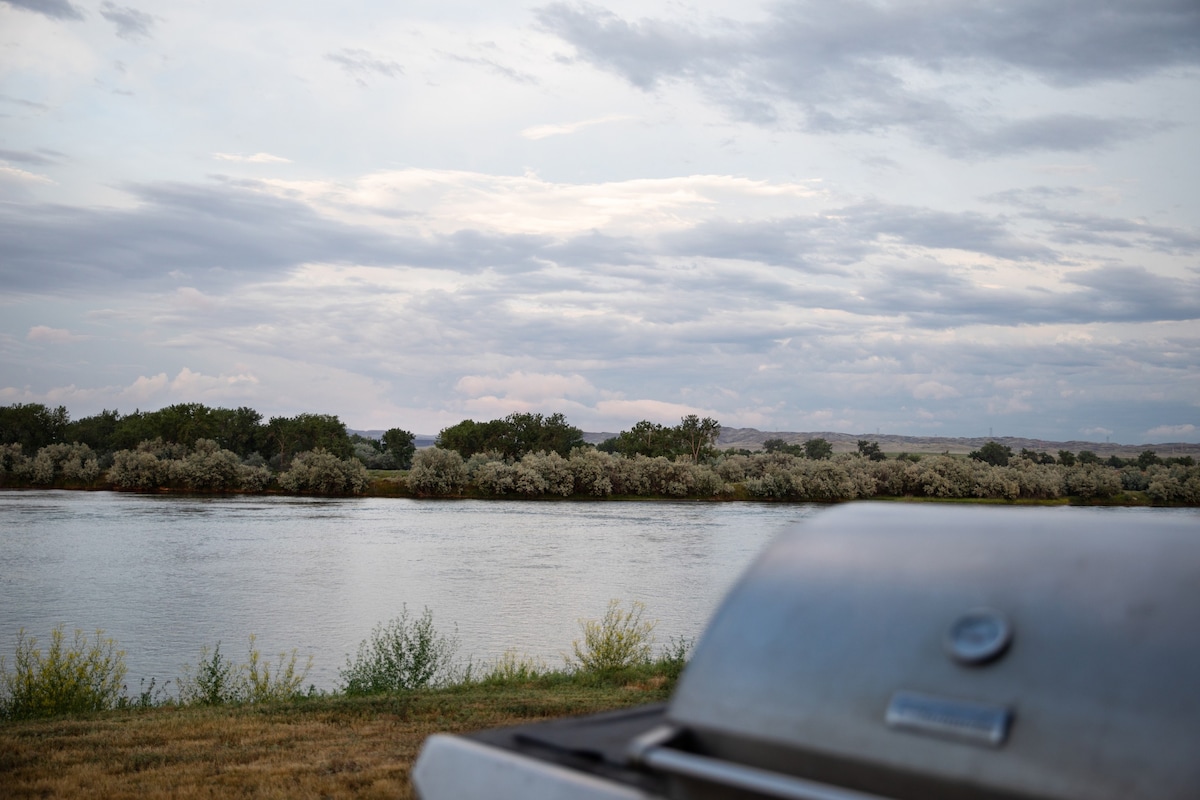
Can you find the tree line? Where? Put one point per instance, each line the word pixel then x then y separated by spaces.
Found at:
pixel 194 447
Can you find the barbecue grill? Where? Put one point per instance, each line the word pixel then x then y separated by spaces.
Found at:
pixel 888 651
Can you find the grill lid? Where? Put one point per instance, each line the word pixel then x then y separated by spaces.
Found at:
pixel 1051 653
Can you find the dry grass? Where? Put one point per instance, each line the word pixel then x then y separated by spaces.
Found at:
pixel 315 748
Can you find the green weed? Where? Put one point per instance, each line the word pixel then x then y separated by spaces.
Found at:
pixel 618 641
pixel 215 680
pixel 401 655
pixel 69 678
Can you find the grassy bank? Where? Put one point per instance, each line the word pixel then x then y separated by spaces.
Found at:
pixel 333 746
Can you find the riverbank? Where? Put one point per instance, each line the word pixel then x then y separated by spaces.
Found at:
pixel 333 746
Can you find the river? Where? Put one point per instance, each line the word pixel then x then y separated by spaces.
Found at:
pixel 165 575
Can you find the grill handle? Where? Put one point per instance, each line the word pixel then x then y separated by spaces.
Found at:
pixel 650 750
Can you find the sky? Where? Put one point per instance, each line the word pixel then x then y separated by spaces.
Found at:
pixel 926 218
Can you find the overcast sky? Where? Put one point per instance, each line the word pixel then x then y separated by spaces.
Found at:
pixel 936 218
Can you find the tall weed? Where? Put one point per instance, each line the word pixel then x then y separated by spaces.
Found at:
pixel 68 678
pixel 618 641
pixel 215 680
pixel 400 655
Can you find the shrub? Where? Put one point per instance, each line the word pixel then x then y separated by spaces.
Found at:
pixel 216 681
pixel 400 655
pixel 208 467
pixel 67 679
pixel 618 641
pixel 437 471
pixel 13 463
pixel 212 682
pixel 321 472
pixel 70 463
pixel 138 469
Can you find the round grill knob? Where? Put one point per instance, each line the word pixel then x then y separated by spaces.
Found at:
pixel 979 637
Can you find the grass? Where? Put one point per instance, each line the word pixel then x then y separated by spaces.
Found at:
pixel 333 746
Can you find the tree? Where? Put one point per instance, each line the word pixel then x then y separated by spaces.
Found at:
pixel 513 436
pixel 698 436
pixel 646 438
pixel 1088 457
pixel 289 436
pixel 780 446
pixel 32 425
pixel 400 443
pixel 993 453
pixel 1147 458
pixel 818 449
pixel 870 450
pixel 1066 458
pixel 95 431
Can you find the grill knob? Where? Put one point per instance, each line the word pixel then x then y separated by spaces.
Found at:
pixel 979 637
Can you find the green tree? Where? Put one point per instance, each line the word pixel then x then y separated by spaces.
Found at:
pixel 95 431
pixel 818 449
pixel 513 436
pixel 783 447
pixel 1088 457
pixel 1147 458
pixel 32 425
pixel 237 429
pixel 870 450
pixel 698 436
pixel 646 438
pixel 993 453
pixel 400 443
pixel 288 436
pixel 1066 458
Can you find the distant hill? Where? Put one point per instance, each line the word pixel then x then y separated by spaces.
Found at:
pixel 752 439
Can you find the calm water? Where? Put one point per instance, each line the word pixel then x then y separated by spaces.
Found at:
pixel 166 575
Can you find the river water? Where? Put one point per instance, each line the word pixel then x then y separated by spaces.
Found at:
pixel 166 575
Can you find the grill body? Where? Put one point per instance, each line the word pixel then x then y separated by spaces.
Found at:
pixel 908 652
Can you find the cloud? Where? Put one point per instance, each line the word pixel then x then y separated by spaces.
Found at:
pixel 544 131
pixel 869 67
pixel 1096 431
pixel 1171 430
pixel 41 158
pixel 497 68
pixel 664 413
pixel 130 22
pixel 359 63
pixel 54 9
pixel 24 176
pixel 43 333
pixel 526 387
pixel 257 158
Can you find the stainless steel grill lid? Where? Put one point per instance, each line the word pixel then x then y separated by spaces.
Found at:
pixel 943 651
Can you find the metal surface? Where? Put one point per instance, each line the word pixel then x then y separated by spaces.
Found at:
pixel 1074 668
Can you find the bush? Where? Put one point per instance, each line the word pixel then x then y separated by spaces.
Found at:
pixel 401 655
pixel 208 467
pixel 68 463
pixel 67 679
pixel 138 469
pixel 216 681
pixel 618 641
pixel 437 471
pixel 321 472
